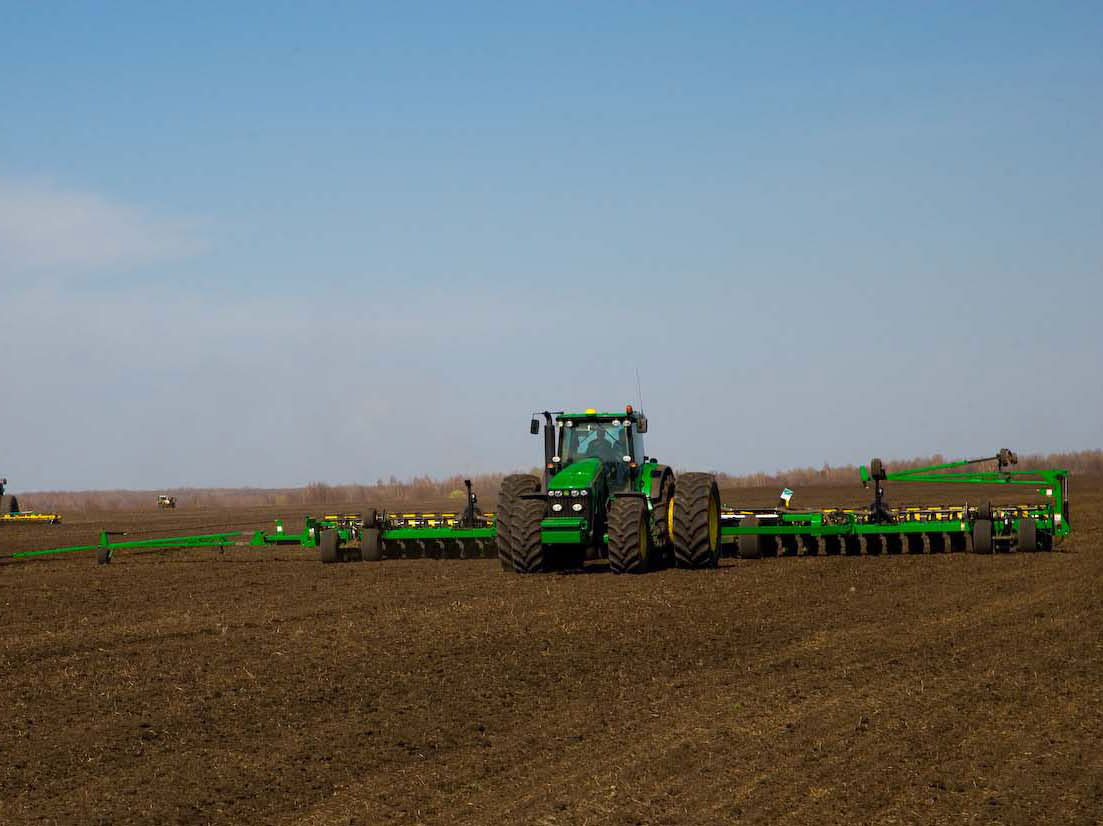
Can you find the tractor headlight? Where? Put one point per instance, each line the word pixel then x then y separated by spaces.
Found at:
pixel 555 493
pixel 574 493
pixel 557 507
pixel 585 493
pixel 576 507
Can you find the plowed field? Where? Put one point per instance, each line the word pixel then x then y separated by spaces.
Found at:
pixel 261 687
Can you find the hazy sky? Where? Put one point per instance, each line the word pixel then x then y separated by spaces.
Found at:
pixel 270 243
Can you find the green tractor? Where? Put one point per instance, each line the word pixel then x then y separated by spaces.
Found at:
pixel 603 497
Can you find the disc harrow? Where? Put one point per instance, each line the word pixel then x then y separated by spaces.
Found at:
pixel 466 534
pixel 881 528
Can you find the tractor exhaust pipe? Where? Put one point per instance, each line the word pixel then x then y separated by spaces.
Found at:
pixel 549 448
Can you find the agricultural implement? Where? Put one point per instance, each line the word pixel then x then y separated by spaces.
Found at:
pixel 603 497
pixel 106 547
pixel 377 534
pixel 9 511
pixel 880 528
pixel 166 502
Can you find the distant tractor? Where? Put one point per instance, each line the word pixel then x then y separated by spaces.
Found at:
pixel 602 498
pixel 165 502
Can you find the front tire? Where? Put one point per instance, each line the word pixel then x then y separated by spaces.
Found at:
pixel 629 536
pixel 509 497
pixel 696 521
pixel 529 556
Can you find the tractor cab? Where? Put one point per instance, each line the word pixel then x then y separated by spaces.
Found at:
pixel 608 442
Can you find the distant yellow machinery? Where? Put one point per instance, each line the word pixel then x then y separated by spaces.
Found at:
pixel 164 501
pixel 9 510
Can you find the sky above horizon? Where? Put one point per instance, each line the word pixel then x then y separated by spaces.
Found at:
pixel 274 243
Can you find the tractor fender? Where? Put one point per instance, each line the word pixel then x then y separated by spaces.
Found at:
pixel 661 476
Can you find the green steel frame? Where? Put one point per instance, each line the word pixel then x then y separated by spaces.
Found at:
pixel 106 547
pixel 1050 518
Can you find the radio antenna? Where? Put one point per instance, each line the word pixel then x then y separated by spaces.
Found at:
pixel 639 390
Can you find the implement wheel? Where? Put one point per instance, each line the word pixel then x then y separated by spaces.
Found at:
pixel 528 549
pixel 750 544
pixel 982 536
pixel 629 536
pixel 696 517
pixel 1028 535
pixel 327 547
pixel 509 496
pixel 9 504
pixel 371 546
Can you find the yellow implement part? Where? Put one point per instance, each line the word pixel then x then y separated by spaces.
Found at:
pixel 48 518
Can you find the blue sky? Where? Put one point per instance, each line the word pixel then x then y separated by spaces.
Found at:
pixel 266 244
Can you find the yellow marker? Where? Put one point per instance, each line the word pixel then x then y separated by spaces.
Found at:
pixel 590 411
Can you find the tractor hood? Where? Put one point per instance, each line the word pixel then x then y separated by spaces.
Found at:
pixel 580 474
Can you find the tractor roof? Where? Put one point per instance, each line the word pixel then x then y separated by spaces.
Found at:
pixel 595 415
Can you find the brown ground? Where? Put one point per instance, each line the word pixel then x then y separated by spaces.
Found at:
pixel 263 687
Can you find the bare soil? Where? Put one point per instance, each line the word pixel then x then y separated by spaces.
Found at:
pixel 261 687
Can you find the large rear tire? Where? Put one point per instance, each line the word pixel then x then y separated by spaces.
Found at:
pixel 528 548
pixel 629 536
pixel 696 521
pixel 663 548
pixel 509 496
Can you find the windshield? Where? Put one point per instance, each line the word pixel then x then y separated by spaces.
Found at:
pixel 607 441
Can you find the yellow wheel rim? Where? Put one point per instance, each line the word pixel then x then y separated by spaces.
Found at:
pixel 670 519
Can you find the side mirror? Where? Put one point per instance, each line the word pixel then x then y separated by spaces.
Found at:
pixel 641 423
pixel 534 426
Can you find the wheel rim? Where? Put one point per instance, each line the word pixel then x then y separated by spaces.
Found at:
pixel 714 524
pixel 643 540
pixel 670 518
